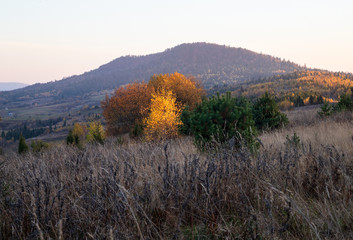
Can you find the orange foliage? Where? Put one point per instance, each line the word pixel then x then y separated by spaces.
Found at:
pixel 126 107
pixel 326 79
pixel 186 90
pixel 131 104
pixel 164 118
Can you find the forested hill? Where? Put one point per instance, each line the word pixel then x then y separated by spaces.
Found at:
pixel 308 85
pixel 212 64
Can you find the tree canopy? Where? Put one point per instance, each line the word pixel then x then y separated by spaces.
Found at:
pixel 126 110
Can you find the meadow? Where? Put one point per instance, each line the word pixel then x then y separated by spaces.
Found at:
pixel 297 186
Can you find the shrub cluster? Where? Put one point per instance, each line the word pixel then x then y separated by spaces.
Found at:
pixel 222 118
pixel 345 104
pixel 234 121
pixel 131 108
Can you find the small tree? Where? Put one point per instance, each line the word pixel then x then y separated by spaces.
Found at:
pixel 267 114
pixel 222 118
pixel 96 133
pixel 22 146
pixel 299 102
pixel 320 99
pixel 345 103
pixel 73 139
pixel 38 146
pixel 164 119
pixel 79 131
pixel 326 110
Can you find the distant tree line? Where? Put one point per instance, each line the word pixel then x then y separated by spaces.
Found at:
pixel 14 134
pixel 306 87
pixel 48 122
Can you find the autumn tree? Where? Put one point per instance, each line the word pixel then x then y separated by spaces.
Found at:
pixel 164 118
pixel 186 89
pixel 76 136
pixel 79 130
pixel 96 133
pixel 127 107
pixel 125 110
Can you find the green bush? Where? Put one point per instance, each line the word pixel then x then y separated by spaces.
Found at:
pixel 39 146
pixel 326 110
pixel 267 114
pixel 185 118
pixel 137 130
pixel 22 146
pixel 73 139
pixel 345 103
pixel 222 118
pixel 293 141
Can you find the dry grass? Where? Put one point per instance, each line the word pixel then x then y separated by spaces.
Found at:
pixel 318 132
pixel 169 190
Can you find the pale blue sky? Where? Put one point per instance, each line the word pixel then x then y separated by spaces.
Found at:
pixel 45 40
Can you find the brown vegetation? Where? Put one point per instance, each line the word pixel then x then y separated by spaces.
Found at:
pixel 126 107
pixel 289 190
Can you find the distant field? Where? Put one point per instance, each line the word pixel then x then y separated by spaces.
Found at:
pixel 49 110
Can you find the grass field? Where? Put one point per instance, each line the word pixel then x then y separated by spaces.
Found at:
pixel 169 190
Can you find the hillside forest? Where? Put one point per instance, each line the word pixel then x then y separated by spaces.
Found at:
pixel 295 89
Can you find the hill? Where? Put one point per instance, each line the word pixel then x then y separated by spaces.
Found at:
pixel 212 64
pixel 305 84
pixel 8 86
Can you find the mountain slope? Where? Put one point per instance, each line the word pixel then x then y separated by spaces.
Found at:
pixel 305 83
pixel 212 64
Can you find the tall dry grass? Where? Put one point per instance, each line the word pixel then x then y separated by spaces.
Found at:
pixel 169 190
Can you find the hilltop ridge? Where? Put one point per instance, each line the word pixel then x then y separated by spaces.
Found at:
pixel 211 63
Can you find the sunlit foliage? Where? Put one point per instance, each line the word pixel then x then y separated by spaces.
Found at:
pixel 96 133
pixel 125 110
pixel 305 87
pixel 126 107
pixel 163 120
pixel 186 89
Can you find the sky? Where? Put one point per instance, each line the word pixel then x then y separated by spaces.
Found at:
pixel 46 40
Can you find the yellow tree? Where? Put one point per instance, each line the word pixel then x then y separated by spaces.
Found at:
pixel 96 133
pixel 186 90
pixel 164 117
pixel 79 131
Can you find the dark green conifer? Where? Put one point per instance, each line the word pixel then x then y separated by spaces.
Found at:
pixel 22 146
pixel 326 110
pixel 267 114
pixel 221 118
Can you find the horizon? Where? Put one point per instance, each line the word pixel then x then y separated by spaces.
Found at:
pixel 45 40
